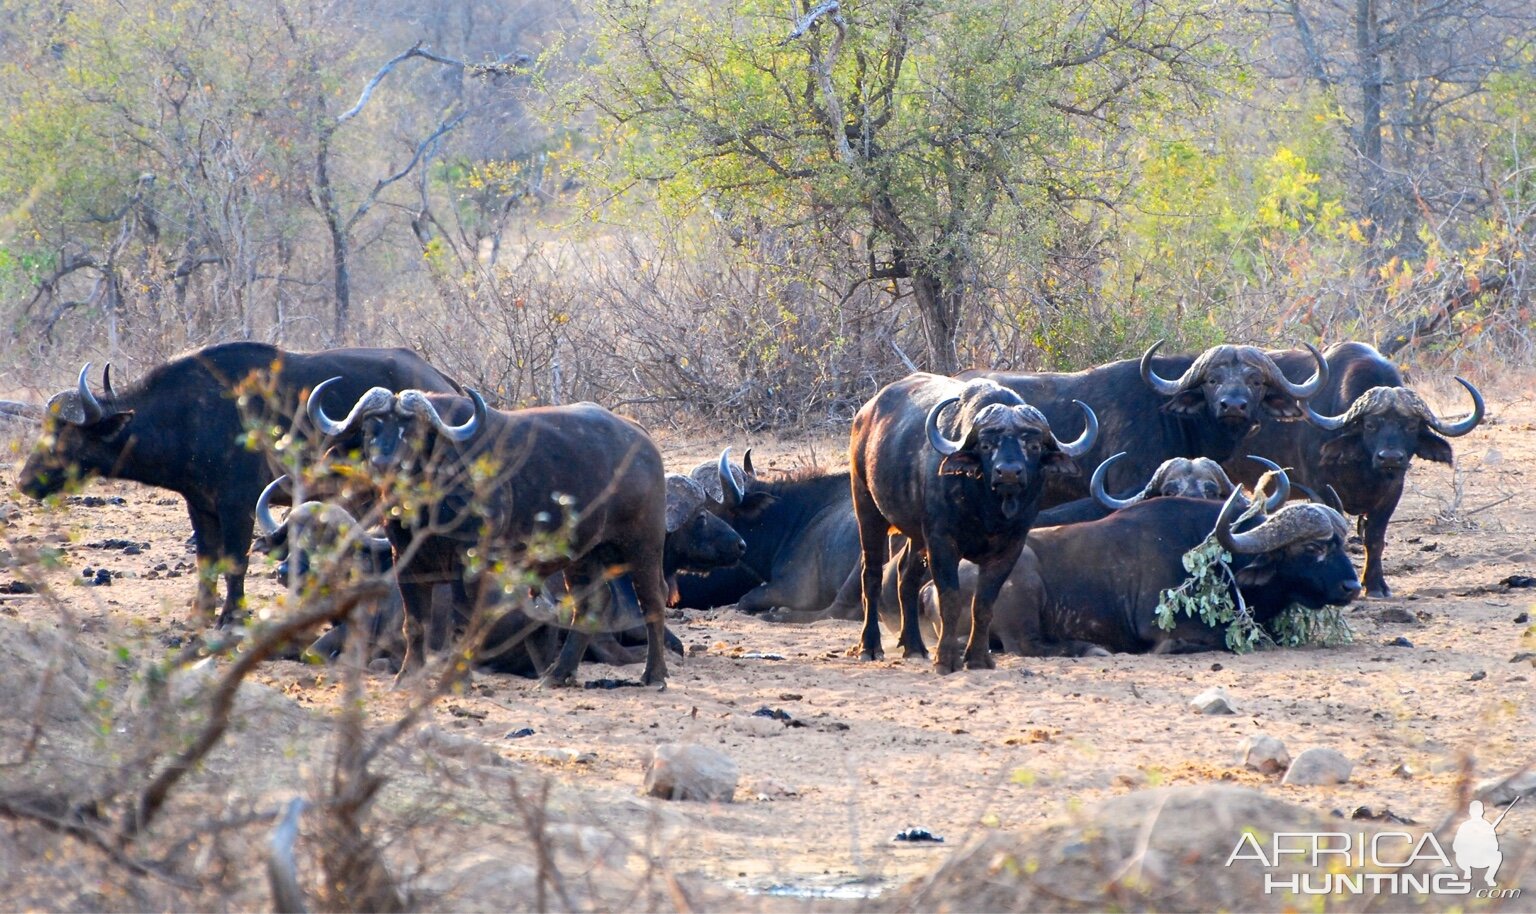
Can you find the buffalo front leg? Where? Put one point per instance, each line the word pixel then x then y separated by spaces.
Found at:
pixel 872 549
pixel 909 581
pixel 989 583
pixel 1374 529
pixel 417 599
pixel 235 525
pixel 944 565
pixel 206 537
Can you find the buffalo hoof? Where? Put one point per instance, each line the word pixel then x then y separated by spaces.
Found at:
pixel 949 662
pixel 555 681
pixel 868 653
pixel 655 678
pixel 983 662
pixel 919 652
pixel 1379 592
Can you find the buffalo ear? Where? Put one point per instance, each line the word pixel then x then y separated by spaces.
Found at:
pixel 753 506
pixel 1280 404
pixel 1343 449
pixel 1433 447
pixel 961 463
pixel 1258 572
pixel 112 426
pixel 1059 464
pixel 1186 403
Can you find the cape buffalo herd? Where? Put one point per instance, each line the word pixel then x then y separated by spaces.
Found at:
pixel 1060 508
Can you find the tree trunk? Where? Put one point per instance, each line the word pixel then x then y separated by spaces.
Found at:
pixel 332 212
pixel 939 305
pixel 1368 52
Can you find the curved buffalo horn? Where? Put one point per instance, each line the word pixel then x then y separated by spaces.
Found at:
pixel 730 492
pixel 1333 500
pixel 935 435
pixel 327 426
pixel 1326 423
pixel 414 401
pixel 1233 543
pixel 1282 483
pixel 1295 523
pixel 1457 429
pixel 1308 388
pixel 1155 381
pixel 1084 441
pixel 90 407
pixel 746 463
pixel 269 525
pixel 1096 486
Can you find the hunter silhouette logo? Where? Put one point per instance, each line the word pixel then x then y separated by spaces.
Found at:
pixel 1476 844
pixel 1384 862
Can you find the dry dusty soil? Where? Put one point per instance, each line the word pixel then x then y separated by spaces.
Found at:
pixel 1422 704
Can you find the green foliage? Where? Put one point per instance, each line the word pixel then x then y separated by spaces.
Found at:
pixel 1300 625
pixel 1207 594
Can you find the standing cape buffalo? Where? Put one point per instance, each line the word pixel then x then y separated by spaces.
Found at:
pixel 963 488
pixel 577 478
pixel 1362 432
pixel 697 540
pixel 1161 407
pixel 179 428
pixel 1098 583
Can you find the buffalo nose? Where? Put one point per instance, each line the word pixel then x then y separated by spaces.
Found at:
pixel 741 546
pixel 1233 406
pixel 1009 474
pixel 1351 588
pixel 1391 457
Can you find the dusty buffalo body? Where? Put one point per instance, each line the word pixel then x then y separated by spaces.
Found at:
pixel 178 428
pixel 958 467
pixel 567 488
pixel 1094 587
pixel 802 544
pixel 1362 432
pixel 1157 407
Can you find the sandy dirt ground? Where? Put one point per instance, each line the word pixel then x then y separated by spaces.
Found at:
pixel 874 748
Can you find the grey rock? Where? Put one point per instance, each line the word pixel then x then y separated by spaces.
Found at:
pixel 1502 791
pixel 1319 766
pixel 1213 701
pixel 682 771
pixel 1265 753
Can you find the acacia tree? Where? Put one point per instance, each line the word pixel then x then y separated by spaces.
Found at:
pixel 939 139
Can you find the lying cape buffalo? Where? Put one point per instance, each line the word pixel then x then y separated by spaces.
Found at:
pixel 963 487
pixel 1363 431
pixel 572 488
pixel 180 427
pixel 1094 587
pixel 1156 407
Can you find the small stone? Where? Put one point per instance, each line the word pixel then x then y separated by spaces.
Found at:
pixel 1399 641
pixel 519 733
pixel 1262 752
pixel 1217 668
pixel 1213 701
pixel 1398 615
pixel 1479 676
pixel 1524 657
pixel 1319 766
pixel 682 771
pixel 1523 618
pixel 1404 771
pixel 568 756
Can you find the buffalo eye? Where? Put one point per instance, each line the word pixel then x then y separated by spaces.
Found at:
pixel 1372 424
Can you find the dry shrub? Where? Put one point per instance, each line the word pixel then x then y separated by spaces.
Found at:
pixel 1166 850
